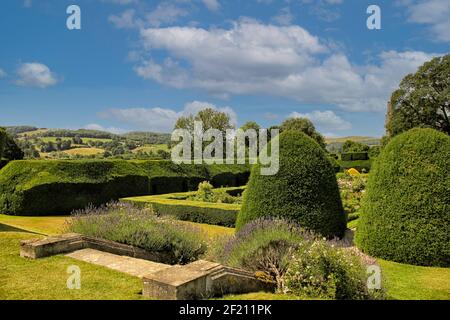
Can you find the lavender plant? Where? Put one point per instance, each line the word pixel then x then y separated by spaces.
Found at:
pixel 139 227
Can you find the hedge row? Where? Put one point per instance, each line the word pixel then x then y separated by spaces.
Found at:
pixel 37 187
pixel 354 156
pixel 360 165
pixel 176 206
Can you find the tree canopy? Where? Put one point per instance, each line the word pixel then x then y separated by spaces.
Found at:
pixel 303 125
pixel 211 119
pixel 422 100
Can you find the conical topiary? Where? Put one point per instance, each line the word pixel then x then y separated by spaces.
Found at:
pixel 304 190
pixel 406 209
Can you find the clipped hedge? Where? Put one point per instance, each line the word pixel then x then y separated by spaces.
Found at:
pixel 304 190
pixel 406 211
pixel 176 206
pixel 37 187
pixel 354 156
pixel 360 165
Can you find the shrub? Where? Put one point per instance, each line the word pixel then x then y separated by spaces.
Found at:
pixel 139 227
pixel 319 270
pixel 30 187
pixel 360 165
pixel 406 210
pixel 265 245
pixel 2 141
pixel 183 206
pixel 207 193
pixel 304 190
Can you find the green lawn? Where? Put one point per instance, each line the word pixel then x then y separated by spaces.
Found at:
pixel 45 278
pixel 25 279
pixel 407 282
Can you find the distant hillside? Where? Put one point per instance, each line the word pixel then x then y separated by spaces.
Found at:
pixel 362 139
pixel 148 137
pixel 335 144
pixel 138 136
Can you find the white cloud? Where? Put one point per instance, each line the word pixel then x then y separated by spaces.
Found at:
pixel 284 17
pixel 125 20
pixel 160 119
pixel 35 75
pixel 434 13
pixel 212 5
pixel 324 120
pixel 321 9
pixel 95 126
pixel 286 61
pixel 165 13
pixel 3 74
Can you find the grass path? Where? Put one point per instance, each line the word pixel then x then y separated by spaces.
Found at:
pixel 45 278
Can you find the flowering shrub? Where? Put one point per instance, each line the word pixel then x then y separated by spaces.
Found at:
pixel 127 224
pixel 320 270
pixel 265 245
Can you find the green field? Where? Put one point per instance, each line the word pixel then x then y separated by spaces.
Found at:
pixel 45 278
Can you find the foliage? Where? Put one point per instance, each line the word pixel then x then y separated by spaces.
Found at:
pixel 422 99
pixel 183 206
pixel 303 125
pixel 265 245
pixel 207 193
pixel 319 270
pixel 405 214
pixel 304 190
pixel 2 141
pixel 30 187
pixel 131 225
pixel 352 189
pixel 210 118
pixel 11 150
pixel 354 146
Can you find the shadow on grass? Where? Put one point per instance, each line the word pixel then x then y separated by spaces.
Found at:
pixel 7 228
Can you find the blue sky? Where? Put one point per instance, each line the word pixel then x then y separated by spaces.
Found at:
pixel 139 65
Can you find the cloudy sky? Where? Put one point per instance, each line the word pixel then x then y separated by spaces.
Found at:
pixel 139 65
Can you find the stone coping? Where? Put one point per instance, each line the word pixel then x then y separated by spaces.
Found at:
pixel 198 280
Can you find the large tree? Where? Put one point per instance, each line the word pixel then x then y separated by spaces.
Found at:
pixel 422 100
pixel 303 125
pixel 211 119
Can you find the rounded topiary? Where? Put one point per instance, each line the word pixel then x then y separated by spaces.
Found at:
pixel 304 190
pixel 406 209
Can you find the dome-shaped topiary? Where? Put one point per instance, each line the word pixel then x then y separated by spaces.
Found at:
pixel 304 190
pixel 406 210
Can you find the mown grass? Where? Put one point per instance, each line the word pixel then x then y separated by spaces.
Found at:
pixel 45 278
pixel 407 282
pixel 42 225
pixel 24 279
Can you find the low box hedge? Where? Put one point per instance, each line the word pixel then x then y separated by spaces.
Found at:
pixel 43 187
pixel 354 156
pixel 360 165
pixel 177 206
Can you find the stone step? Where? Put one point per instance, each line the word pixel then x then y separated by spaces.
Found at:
pixel 132 266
